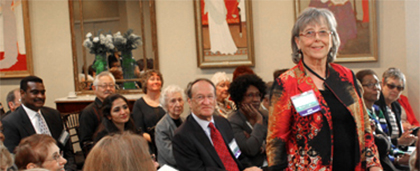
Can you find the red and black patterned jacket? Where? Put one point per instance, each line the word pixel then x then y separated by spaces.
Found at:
pixel 291 137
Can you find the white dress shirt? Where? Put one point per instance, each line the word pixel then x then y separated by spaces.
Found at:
pixel 205 125
pixel 34 120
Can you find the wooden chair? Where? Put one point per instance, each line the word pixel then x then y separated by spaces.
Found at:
pixel 71 123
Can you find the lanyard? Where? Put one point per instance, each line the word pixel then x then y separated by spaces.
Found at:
pixel 310 70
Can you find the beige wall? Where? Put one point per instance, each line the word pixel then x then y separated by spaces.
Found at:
pixel 177 48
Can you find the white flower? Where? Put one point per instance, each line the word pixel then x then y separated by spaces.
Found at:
pixel 87 43
pixel 95 40
pixel 89 35
pixel 102 38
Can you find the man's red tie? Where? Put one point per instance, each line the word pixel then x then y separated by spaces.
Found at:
pixel 222 150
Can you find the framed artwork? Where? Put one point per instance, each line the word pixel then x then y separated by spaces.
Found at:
pixel 224 33
pixel 15 40
pixel 356 27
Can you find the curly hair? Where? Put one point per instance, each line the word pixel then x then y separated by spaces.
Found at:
pixel 241 84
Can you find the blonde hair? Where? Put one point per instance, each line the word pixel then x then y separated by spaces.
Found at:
pixel 6 159
pixel 120 152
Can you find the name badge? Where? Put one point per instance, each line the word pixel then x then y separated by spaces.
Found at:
pixel 306 103
pixel 64 137
pixel 234 148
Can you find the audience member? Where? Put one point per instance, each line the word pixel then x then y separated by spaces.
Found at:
pixel 147 110
pixel 86 83
pixel 115 66
pixel 6 159
pixel 371 90
pixel 409 121
pixel 278 72
pixel 13 101
pixel 224 106
pixel 241 70
pixel 39 151
pixel 201 142
pixel 1 132
pixel 172 100
pixel 91 115
pixel 317 119
pixel 249 125
pixel 393 83
pixel 120 152
pixel 116 117
pixel 265 103
pixel 34 118
pixel 415 157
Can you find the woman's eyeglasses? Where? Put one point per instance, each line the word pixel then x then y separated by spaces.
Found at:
pixel 312 34
pixel 392 86
pixel 372 85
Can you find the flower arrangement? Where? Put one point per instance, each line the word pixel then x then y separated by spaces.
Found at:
pixel 99 44
pixel 127 42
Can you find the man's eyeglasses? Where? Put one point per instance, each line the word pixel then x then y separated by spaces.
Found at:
pixel 392 86
pixel 372 85
pixel 107 85
pixel 201 98
pixel 312 34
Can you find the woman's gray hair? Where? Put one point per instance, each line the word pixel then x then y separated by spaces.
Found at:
pixel 310 16
pixel 219 77
pixel 169 90
pixel 394 73
pixel 103 73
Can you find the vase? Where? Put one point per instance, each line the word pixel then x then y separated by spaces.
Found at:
pixel 128 65
pixel 100 63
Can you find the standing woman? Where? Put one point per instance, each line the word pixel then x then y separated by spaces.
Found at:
pixel 222 82
pixel 317 119
pixel 117 118
pixel 147 110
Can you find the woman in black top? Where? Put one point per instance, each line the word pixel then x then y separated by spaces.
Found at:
pixel 147 110
pixel 117 118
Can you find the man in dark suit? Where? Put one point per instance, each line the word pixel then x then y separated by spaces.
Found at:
pixel 91 115
pixel 205 141
pixel 33 118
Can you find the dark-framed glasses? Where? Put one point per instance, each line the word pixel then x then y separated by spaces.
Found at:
pixel 392 86
pixel 312 34
pixel 253 95
pixel 372 85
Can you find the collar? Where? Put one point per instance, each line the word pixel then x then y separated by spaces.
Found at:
pixel 31 113
pixel 203 123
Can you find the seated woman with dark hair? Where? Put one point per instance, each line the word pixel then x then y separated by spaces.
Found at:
pixel 39 151
pixel 249 125
pixel 123 152
pixel 117 118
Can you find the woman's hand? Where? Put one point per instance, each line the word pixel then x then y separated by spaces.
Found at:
pixel 147 137
pixel 407 139
pixel 253 114
pixel 375 169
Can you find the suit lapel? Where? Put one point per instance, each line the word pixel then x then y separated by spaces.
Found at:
pixel 204 140
pixel 26 123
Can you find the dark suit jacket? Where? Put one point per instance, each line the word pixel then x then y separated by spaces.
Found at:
pixel 193 150
pixel 18 126
pixel 89 120
pixel 251 141
pixel 396 108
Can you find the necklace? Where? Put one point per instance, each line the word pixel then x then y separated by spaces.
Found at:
pixel 313 72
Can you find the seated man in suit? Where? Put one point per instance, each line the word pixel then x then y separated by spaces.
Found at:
pixel 13 101
pixel 34 118
pixel 91 115
pixel 205 141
